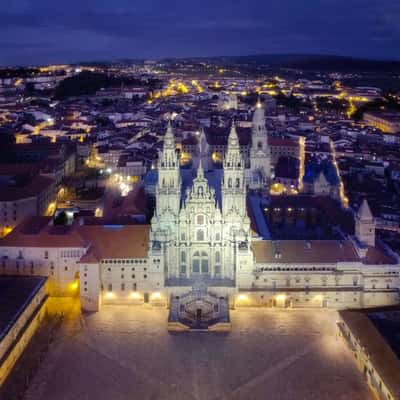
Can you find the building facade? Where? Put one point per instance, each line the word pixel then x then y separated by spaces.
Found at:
pixel 203 230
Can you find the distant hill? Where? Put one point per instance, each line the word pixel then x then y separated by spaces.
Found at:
pixel 325 63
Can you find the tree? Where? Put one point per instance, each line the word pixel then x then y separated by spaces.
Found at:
pixel 61 219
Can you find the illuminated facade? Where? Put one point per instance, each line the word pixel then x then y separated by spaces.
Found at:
pixel 203 230
pixel 200 226
pixel 259 173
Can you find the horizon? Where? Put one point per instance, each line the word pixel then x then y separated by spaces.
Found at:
pixel 216 57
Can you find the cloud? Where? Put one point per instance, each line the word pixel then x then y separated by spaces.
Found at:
pixel 36 31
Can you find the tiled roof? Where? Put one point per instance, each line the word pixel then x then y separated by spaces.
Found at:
pixel 300 251
pixel 381 355
pixel 33 188
pixel 117 241
pixel 37 232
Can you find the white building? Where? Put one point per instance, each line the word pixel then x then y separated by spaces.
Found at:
pixel 259 173
pixel 201 231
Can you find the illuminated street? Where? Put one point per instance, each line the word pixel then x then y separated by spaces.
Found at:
pixel 126 352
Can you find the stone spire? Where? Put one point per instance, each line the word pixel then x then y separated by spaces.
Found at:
pixel 364 212
pixel 169 139
pixel 233 140
pixel 200 171
pixel 365 225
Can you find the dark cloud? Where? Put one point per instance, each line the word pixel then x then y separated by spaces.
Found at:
pixel 41 31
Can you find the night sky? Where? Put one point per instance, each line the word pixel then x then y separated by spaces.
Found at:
pixel 54 31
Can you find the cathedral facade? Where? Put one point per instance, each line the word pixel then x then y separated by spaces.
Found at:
pixel 200 226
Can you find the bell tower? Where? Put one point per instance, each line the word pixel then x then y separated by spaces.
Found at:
pixel 260 153
pixel 233 182
pixel 365 225
pixel 169 180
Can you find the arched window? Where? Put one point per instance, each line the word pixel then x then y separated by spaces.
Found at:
pixel 200 219
pixel 183 257
pixel 230 182
pixel 217 257
pixel 237 182
pixel 259 145
pixel 217 236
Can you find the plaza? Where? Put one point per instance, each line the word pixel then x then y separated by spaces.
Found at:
pixel 125 352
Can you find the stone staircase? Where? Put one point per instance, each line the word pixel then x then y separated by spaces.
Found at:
pixel 199 310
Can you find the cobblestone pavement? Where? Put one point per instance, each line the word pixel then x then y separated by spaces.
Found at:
pixel 126 353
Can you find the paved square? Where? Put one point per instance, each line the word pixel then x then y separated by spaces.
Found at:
pixel 126 352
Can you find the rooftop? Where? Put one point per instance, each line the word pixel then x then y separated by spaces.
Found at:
pixel 16 293
pixel 301 251
pixel 382 357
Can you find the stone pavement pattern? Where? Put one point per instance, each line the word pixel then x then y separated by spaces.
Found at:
pixel 126 353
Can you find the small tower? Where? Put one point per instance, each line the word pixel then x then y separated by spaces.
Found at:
pixel 260 153
pixel 365 225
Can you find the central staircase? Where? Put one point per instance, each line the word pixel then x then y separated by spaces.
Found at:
pixel 199 310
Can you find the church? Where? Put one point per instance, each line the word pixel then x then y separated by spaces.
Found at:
pixel 206 231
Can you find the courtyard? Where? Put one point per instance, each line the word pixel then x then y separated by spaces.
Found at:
pixel 126 352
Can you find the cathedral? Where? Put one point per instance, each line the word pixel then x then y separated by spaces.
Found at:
pixel 200 224
pixel 206 233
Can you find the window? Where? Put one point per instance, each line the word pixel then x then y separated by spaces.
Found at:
pixel 200 219
pixel 200 262
pixel 217 236
pixel 46 255
pixel 122 286
pixel 183 257
pixel 200 235
pixel 217 257
pixel 196 265
pixel 110 287
pixel 134 288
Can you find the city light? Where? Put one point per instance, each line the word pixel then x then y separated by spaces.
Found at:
pixel 135 295
pixel 242 297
